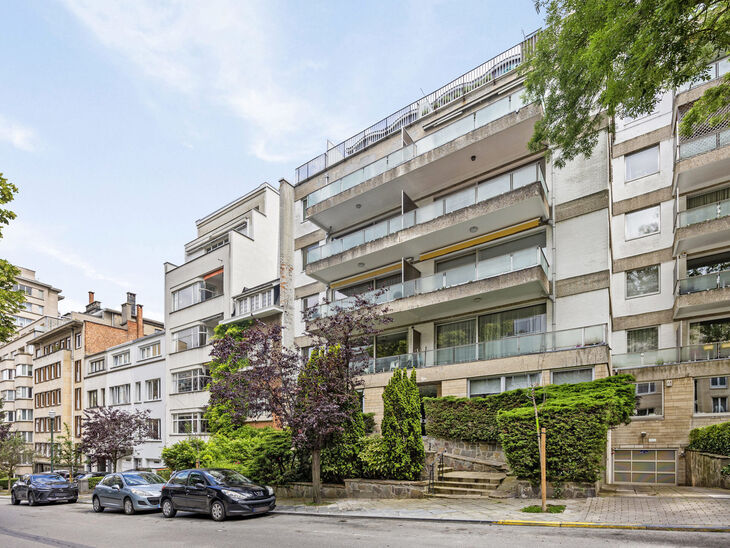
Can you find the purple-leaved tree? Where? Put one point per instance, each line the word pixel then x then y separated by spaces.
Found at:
pixel 314 397
pixel 110 433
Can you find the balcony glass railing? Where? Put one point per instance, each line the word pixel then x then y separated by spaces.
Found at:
pixel 703 144
pixel 483 191
pixel 487 268
pixel 703 213
pixel 689 353
pixel 714 71
pixel 511 103
pixel 706 282
pixel 519 345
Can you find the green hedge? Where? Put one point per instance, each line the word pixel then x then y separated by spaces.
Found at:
pixel 7 483
pixel 711 439
pixel 93 482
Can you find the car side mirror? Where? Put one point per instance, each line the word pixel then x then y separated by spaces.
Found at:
pixel 116 487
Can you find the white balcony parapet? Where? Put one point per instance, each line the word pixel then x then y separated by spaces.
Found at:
pixel 705 282
pixel 487 268
pixel 518 345
pixel 473 195
pixel 703 213
pixel 679 354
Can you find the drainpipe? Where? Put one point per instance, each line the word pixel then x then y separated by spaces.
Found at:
pixel 552 223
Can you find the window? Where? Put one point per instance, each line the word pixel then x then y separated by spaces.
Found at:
pixel 23 370
pixel 27 436
pixel 77 426
pixel 495 385
pixel 137 391
pixel 642 340
pixel 150 351
pixel 92 398
pixel 96 365
pixel 9 416
pixel 573 376
pixel 24 415
pixel 119 395
pixel 77 371
pixel 24 392
pixel 39 308
pixel 210 286
pixel 8 395
pixel 257 301
pixel 19 321
pixel 189 423
pixel 649 399
pixel 642 163
pixel 642 281
pixel 8 374
pixel 77 399
pixel 642 223
pixel 24 288
pixel 309 303
pixel 306 250
pixel 709 331
pixel 152 387
pixel 719 405
pixel 28 307
pixel 102 397
pixel 192 337
pixel 78 340
pixel 154 427
pixel 120 359
pixel 215 245
pixel 194 380
pixel 711 395
pixel 718 382
pixel 181 478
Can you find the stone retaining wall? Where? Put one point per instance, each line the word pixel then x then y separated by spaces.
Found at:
pixel 473 450
pixel 357 489
pixel 568 490
pixel 703 469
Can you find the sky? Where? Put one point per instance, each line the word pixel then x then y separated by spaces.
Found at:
pixel 122 122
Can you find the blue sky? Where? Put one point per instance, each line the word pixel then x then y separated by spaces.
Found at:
pixel 124 122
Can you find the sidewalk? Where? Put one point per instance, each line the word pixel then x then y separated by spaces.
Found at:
pixel 649 508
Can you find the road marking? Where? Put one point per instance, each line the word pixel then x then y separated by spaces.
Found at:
pixel 48 541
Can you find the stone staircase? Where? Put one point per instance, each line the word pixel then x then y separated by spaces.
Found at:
pixel 467 484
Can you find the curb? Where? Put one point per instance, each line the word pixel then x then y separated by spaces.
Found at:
pixel 527 523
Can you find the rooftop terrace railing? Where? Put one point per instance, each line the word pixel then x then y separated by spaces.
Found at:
pixel 483 191
pixel 497 66
pixel 679 354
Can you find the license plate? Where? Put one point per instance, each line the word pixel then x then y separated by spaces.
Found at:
pixel 260 508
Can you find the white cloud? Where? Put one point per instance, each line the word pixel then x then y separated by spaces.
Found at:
pixel 18 135
pixel 226 51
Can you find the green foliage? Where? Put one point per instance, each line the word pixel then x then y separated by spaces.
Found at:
pixel 340 458
pixel 7 483
pixel 182 455
pixel 11 299
pixel 711 439
pixel 374 458
pixel 725 470
pixel 369 422
pixel 164 473
pixel 13 452
pixel 274 461
pixel 551 509
pixel 617 57
pixel 94 481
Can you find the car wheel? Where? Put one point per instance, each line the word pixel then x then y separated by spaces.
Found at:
pixel 13 499
pixel 217 511
pixel 31 499
pixel 96 504
pixel 128 506
pixel 72 501
pixel 168 510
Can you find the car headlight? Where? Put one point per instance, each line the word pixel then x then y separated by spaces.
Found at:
pixel 236 495
pixel 270 491
pixel 140 493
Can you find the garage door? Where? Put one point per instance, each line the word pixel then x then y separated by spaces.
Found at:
pixel 645 466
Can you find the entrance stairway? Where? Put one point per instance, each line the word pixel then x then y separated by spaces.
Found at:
pixel 466 484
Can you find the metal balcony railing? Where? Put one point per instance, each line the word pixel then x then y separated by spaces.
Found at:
pixel 518 345
pixel 483 74
pixel 483 191
pixel 705 282
pixel 481 117
pixel 679 354
pixel 703 213
pixel 714 71
pixel 487 268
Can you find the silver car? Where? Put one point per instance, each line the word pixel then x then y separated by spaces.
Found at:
pixel 130 491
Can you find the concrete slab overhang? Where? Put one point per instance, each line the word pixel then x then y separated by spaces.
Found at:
pixel 702 170
pixel 528 363
pixel 713 301
pixel 702 236
pixel 522 204
pixel 495 144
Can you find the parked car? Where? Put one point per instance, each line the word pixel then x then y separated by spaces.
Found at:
pixel 87 475
pixel 215 491
pixel 36 488
pixel 130 491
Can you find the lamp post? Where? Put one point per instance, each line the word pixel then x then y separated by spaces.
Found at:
pixel 52 416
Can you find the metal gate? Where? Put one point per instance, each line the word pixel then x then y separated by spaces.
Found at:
pixel 657 466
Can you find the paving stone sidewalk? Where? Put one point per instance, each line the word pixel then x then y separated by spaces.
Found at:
pixel 704 507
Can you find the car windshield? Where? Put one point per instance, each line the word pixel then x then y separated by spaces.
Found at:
pixel 142 478
pixel 228 477
pixel 46 478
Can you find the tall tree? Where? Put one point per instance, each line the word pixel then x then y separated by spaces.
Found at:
pixel 598 58
pixel 10 299
pixel 13 452
pixel 110 433
pixel 4 426
pixel 69 452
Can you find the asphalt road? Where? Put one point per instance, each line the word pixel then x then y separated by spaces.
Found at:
pixel 76 525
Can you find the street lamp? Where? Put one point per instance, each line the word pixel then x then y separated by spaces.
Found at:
pixel 52 415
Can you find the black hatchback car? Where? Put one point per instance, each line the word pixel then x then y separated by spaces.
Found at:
pixel 36 488
pixel 215 491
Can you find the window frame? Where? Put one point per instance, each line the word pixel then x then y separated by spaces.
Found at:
pixel 636 211
pixel 640 151
pixel 659 282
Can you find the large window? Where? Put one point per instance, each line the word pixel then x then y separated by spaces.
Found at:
pixel 642 163
pixel 8 395
pixel 23 370
pixel 152 389
pixel 154 428
pixel 648 399
pixel 642 223
pixel 192 337
pixel 24 392
pixel 642 340
pixel 150 351
pixel 24 415
pixel 257 301
pixel 96 365
pixel 189 423
pixel 194 380
pixel 496 385
pixel 210 286
pixel 642 281
pixel 711 395
pixel 92 397
pixel 119 395
pixel 573 376
pixel 709 331
pixel 121 359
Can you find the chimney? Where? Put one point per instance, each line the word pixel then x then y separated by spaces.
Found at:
pixel 94 305
pixel 128 308
pixel 91 297
pixel 140 322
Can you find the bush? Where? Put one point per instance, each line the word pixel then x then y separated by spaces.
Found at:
pixel 711 439
pixel 340 459
pixel 273 460
pixel 164 473
pixel 94 481
pixel 374 458
pixel 369 422
pixel 182 455
pixel 7 483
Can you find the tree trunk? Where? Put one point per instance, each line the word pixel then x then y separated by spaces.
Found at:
pixel 316 482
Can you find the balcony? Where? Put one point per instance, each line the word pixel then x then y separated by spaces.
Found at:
pixel 519 345
pixel 704 227
pixel 665 356
pixel 261 304
pixel 510 198
pixel 494 135
pixel 520 275
pixel 706 294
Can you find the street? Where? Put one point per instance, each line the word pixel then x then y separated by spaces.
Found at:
pixel 76 525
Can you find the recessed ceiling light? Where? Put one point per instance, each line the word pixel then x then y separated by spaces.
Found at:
pixel 473 229
pixel 360 264
pixel 358 206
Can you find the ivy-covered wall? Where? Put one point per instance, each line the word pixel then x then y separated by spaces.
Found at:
pixel 711 439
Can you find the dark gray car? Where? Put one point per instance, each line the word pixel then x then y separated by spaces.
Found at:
pixel 129 491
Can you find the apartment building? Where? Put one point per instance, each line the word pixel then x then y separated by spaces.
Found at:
pixel 670 282
pixel 16 356
pixel 58 372
pixel 131 376
pixel 230 273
